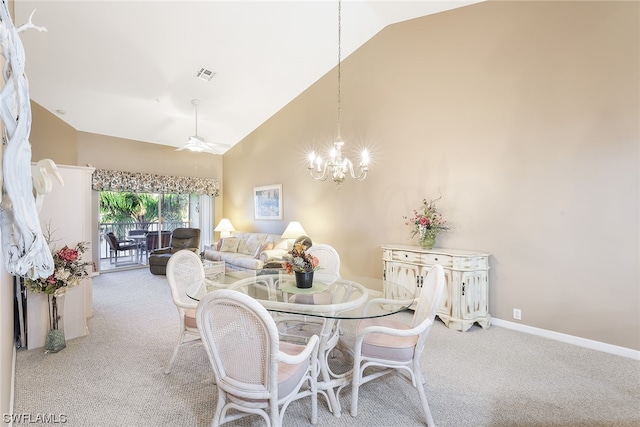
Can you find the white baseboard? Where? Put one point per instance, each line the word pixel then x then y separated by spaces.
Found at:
pixel 570 339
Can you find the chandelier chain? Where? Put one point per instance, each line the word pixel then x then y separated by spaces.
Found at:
pixel 337 166
pixel 339 64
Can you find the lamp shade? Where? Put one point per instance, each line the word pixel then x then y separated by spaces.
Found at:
pixel 224 227
pixel 293 230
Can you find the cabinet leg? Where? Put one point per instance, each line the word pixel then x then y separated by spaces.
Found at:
pixel 485 323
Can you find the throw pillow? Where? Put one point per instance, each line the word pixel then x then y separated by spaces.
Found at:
pixel 282 244
pixel 229 244
pixel 219 245
pixel 251 244
pixel 272 254
pixel 264 247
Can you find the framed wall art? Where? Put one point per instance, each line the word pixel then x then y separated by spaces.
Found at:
pixel 268 202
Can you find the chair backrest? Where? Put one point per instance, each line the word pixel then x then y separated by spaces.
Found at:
pixel 429 300
pixel 241 340
pixel 185 238
pixel 183 268
pixel 430 295
pixel 329 262
pixel 113 241
pixel 152 240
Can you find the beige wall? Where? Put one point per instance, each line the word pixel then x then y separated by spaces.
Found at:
pixel 105 152
pixel 54 139
pixel 51 138
pixel 524 115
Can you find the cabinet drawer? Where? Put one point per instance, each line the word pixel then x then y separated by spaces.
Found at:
pixel 444 260
pixel 406 256
pixel 472 263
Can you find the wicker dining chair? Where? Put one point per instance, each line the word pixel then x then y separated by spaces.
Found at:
pixel 255 372
pixel 328 261
pixel 184 267
pixel 301 327
pixel 393 346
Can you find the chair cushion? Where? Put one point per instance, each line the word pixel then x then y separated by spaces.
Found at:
pixel 185 238
pixel 241 260
pixel 383 346
pixel 159 258
pixel 289 375
pixel 190 318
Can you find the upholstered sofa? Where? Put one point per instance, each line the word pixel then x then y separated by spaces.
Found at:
pixel 250 251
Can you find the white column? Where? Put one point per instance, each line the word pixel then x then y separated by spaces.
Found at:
pixel 206 220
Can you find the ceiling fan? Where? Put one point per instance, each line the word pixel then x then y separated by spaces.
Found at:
pixel 197 144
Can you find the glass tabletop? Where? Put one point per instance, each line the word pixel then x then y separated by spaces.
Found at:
pixel 346 298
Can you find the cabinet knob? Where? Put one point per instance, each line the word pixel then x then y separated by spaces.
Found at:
pixel 435 259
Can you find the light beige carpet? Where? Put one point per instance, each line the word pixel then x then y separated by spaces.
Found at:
pixel 495 377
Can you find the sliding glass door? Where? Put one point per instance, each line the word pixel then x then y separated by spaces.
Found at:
pixel 128 214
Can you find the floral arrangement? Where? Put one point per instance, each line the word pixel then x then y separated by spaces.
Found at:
pixel 298 260
pixel 426 221
pixel 68 270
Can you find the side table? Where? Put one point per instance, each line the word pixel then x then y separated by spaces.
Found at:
pixel 214 270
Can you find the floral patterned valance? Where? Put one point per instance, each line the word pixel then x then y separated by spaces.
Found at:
pixel 107 180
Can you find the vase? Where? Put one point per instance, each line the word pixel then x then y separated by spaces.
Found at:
pixel 304 279
pixel 55 340
pixel 427 240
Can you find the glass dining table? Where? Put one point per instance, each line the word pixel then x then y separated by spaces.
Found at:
pixel 319 310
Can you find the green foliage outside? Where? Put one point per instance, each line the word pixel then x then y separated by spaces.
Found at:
pixel 141 209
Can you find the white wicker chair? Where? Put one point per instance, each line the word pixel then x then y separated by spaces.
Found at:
pixel 184 267
pixel 301 327
pixel 329 262
pixel 255 373
pixel 298 328
pixel 388 343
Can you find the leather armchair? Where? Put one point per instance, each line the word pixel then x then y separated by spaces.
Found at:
pixel 181 238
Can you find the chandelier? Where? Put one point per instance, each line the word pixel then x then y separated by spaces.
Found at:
pixel 338 166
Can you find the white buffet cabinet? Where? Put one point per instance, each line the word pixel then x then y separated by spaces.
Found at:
pixel 466 296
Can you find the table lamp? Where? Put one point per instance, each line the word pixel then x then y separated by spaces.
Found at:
pixel 292 232
pixel 225 228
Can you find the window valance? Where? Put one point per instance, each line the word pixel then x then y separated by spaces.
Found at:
pixel 107 180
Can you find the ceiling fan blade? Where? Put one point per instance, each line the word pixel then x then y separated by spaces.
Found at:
pixel 217 145
pixel 211 150
pixel 197 143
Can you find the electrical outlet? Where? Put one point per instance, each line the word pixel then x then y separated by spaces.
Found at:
pixel 517 314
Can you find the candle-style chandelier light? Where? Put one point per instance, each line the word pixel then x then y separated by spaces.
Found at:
pixel 338 166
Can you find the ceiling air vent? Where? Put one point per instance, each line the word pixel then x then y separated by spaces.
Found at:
pixel 204 74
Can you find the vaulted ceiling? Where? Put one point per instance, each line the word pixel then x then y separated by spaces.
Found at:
pixel 128 68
